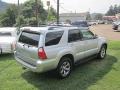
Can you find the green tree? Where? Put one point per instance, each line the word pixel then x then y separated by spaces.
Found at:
pixel 29 11
pixel 8 18
pixel 51 14
pixel 119 9
pixel 20 21
pixel 110 12
pixel 98 16
pixel 88 17
pixel 113 10
pixel 27 14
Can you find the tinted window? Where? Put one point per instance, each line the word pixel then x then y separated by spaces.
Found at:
pixel 74 35
pixel 87 34
pixel 29 38
pixel 53 38
pixel 5 34
pixel 80 24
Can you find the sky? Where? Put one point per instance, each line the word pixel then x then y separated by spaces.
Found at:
pixel 67 6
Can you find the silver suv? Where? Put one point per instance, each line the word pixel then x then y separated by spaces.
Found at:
pixel 41 49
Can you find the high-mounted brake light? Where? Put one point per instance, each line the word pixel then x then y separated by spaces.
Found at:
pixel 42 54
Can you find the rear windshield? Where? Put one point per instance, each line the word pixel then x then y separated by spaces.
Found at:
pixel 81 24
pixel 5 34
pixel 30 38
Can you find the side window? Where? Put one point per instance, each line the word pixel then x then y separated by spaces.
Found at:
pixel 53 38
pixel 74 35
pixel 87 34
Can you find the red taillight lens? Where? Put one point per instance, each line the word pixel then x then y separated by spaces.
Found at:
pixel 13 46
pixel 42 54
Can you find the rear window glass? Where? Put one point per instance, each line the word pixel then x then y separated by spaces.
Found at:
pixel 30 38
pixel 5 34
pixel 53 38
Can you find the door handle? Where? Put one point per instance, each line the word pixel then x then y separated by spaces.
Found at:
pixel 29 46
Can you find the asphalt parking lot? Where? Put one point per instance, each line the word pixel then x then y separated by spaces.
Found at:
pixel 106 31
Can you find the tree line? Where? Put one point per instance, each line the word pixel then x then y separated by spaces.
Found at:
pixel 113 10
pixel 25 15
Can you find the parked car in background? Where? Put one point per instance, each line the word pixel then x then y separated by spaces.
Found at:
pixel 101 22
pixel 60 24
pixel 118 28
pixel 42 50
pixel 93 22
pixel 116 24
pixel 81 24
pixel 7 40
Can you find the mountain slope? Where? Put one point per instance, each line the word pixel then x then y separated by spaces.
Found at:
pixel 3 6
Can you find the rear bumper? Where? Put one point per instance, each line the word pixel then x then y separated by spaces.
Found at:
pixel 41 66
pixel 6 48
pixel 2 51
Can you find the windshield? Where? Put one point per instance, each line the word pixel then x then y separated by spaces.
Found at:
pixel 5 34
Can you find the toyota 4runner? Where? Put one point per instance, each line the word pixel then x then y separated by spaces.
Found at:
pixel 41 49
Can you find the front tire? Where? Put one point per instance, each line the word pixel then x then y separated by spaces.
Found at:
pixel 64 67
pixel 102 53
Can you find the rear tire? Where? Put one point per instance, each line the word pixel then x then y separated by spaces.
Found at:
pixel 64 67
pixel 102 53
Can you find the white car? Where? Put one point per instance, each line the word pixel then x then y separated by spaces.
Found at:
pixel 7 40
pixel 116 25
pixel 93 23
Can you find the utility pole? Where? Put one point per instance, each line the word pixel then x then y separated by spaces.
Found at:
pixel 37 12
pixel 58 4
pixel 18 14
pixel 48 4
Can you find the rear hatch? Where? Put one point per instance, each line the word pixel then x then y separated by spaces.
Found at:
pixel 27 47
pixel 6 44
pixel 6 41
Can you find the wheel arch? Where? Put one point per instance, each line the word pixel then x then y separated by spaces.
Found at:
pixel 69 56
pixel 105 44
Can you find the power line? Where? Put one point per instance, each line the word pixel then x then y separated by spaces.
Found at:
pixel 60 5
pixel 65 9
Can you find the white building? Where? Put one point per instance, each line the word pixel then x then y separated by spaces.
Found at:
pixel 73 17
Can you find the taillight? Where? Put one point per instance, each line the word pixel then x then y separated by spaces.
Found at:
pixel 42 54
pixel 13 46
